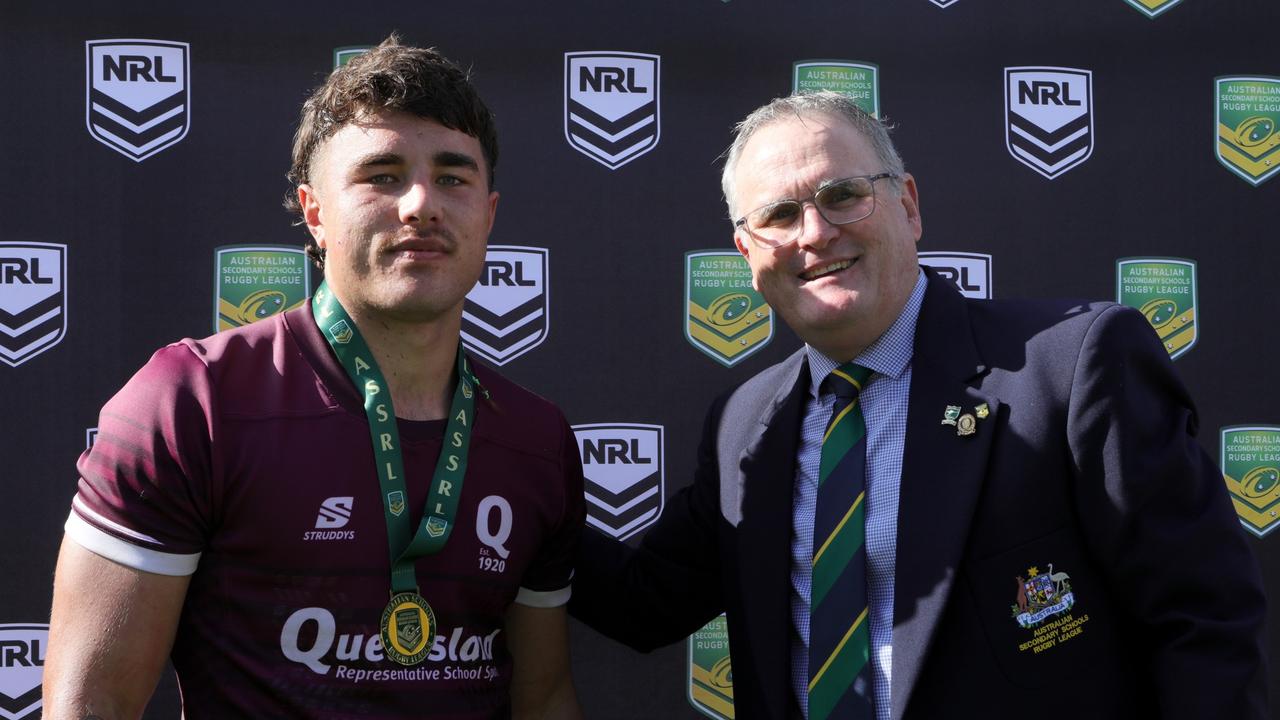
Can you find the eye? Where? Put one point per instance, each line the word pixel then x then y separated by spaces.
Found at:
pixel 450 180
pixel 776 215
pixel 844 193
pixel 381 179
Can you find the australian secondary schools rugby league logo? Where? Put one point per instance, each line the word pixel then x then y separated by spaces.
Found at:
pixel 725 317
pixel 254 282
pixel 1247 110
pixel 1164 291
pixel 1250 459
pixel 138 94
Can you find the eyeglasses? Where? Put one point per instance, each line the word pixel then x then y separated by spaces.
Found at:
pixel 839 202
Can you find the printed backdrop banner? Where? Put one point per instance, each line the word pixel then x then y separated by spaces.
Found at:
pixel 1061 149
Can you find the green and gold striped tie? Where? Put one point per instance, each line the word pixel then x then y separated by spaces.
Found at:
pixel 839 631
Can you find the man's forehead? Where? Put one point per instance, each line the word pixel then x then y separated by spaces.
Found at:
pixel 802 150
pixel 389 130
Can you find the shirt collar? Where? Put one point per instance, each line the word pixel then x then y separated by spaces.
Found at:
pixel 889 355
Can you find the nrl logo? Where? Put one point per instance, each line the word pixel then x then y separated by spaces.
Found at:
pixel 254 282
pixel 1248 120
pixel 1164 291
pixel 969 272
pixel 344 55
pixel 138 95
pixel 33 299
pixel 507 313
pixel 710 672
pixel 611 105
pixel 944 3
pixel 725 317
pixel 857 81
pixel 1152 8
pixel 22 670
pixel 1049 117
pixel 1250 459
pixel 622 463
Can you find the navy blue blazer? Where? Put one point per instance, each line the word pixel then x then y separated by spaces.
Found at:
pixel 1086 459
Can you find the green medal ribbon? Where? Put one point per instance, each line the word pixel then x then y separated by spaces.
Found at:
pixel 446 485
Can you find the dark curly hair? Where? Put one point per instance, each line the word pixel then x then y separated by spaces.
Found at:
pixel 390 77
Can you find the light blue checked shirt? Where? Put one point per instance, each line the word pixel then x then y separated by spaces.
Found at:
pixel 884 406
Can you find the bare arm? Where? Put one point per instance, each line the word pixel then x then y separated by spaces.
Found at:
pixel 111 629
pixel 541 684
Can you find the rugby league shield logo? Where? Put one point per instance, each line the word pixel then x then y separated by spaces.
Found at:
pixel 344 55
pixel 725 317
pixel 1152 8
pixel 1248 122
pixel 1250 460
pixel 858 81
pixel 710 672
pixel 22 670
pixel 138 94
pixel 1164 291
pixel 969 272
pixel 1049 117
pixel 254 282
pixel 622 463
pixel 33 299
pixel 611 111
pixel 507 313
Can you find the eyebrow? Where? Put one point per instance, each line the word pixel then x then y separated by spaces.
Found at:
pixel 444 158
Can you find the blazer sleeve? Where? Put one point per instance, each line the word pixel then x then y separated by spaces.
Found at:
pixel 1156 510
pixel 661 592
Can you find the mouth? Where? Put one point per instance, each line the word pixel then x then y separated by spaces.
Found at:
pixel 826 269
pixel 420 246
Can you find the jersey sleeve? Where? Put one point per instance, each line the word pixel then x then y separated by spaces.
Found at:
pixel 143 498
pixel 547 583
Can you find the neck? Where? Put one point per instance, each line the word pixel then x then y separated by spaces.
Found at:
pixel 417 358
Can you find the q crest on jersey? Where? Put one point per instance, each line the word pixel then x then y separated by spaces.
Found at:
pixel 623 466
pixel 507 313
pixel 138 94
pixel 33 299
pixel 611 105
pixel 970 273
pixel 1049 117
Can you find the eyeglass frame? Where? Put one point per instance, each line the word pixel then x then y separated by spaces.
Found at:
pixel 742 221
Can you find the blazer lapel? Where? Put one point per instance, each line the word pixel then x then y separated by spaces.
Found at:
pixel 767 466
pixel 942 474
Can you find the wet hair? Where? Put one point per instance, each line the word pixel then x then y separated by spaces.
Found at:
pixel 388 78
pixel 808 105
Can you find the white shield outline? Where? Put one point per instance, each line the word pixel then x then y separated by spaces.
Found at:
pixel 603 130
pixel 631 497
pixel 132 121
pixel 1153 14
pixel 1048 141
pixel 485 329
pixel 19 323
pixel 1218 82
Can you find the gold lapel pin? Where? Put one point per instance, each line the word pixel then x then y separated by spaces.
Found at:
pixel 950 415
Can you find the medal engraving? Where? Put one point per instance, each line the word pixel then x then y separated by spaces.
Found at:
pixel 408 628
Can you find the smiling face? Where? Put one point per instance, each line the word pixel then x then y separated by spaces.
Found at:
pixel 401 207
pixel 839 287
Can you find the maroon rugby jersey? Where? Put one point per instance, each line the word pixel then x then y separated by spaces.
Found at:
pixel 244 460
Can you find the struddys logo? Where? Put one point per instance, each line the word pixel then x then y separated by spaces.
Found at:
pixel 1152 8
pixel 1248 126
pixel 508 312
pixel 1164 291
pixel 1049 117
pixel 344 55
pixel 22 652
pixel 138 94
pixel 622 463
pixel 611 105
pixel 255 282
pixel 970 273
pixel 725 317
pixel 858 81
pixel 710 671
pixel 1250 459
pixel 33 299
pixel 310 637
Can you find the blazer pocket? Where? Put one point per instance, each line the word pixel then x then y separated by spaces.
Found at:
pixel 1045 613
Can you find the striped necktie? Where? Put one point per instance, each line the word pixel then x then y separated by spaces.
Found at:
pixel 839 630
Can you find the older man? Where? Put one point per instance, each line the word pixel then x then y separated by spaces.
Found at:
pixel 938 507
pixel 332 513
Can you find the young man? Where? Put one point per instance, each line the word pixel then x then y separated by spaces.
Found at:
pixel 881 514
pixel 332 512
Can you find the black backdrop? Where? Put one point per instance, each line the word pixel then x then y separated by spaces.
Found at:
pixel 140 236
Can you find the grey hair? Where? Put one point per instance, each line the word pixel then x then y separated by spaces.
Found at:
pixel 801 106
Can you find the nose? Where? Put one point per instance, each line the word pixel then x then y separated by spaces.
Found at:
pixel 417 204
pixel 815 231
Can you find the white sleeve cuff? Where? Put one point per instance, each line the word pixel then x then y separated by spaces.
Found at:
pixel 544 598
pixel 128 554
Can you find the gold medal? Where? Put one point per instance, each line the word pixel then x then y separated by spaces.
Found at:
pixel 408 628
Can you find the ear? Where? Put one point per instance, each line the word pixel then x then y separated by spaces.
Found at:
pixel 311 213
pixel 493 211
pixel 745 247
pixel 910 198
